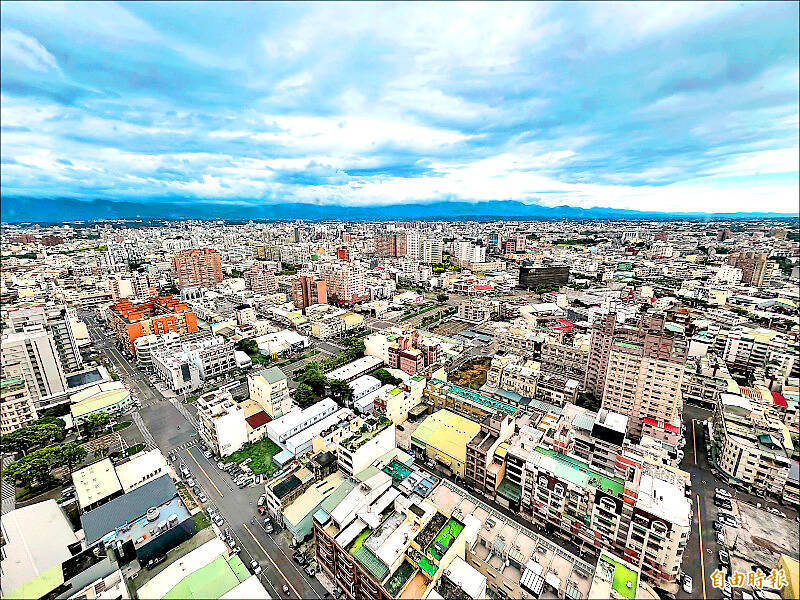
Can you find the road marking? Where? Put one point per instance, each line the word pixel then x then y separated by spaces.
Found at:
pixel 700 541
pixel 694 444
pixel 289 583
pixel 204 471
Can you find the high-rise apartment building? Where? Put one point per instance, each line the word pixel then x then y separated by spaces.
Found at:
pixel 469 252
pixel 35 351
pixel 308 290
pixel 158 315
pixel 391 244
pixel 199 267
pixel 55 319
pixel 16 404
pixel 638 372
pixel 260 280
pixel 752 264
pixel 346 283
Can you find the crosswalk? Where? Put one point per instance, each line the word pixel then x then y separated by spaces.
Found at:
pixel 181 408
pixel 7 490
pixel 185 445
pixel 148 438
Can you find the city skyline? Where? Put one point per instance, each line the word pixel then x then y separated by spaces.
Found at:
pixel 671 108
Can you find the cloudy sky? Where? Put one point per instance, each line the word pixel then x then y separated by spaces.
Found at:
pixel 685 107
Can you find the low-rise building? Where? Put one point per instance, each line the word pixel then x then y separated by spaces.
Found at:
pixel 110 398
pixel 268 387
pixel 374 437
pixel 143 467
pixel 96 484
pixel 442 437
pixel 221 422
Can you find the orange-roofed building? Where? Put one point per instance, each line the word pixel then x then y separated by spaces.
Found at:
pixel 158 315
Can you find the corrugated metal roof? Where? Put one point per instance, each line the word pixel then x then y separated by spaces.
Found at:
pixel 106 518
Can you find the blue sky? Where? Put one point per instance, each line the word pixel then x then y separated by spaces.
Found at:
pixel 684 107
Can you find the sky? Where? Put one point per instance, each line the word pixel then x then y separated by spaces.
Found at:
pixel 665 107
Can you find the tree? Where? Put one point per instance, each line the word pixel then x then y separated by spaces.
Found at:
pixel 33 468
pixel 314 377
pixel 72 454
pixel 35 435
pixel 96 423
pixel 304 395
pixel 341 392
pixel 442 297
pixel 386 378
pixel 356 348
pixel 587 400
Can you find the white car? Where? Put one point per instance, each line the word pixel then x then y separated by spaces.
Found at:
pixel 687 584
pixel 775 511
pixel 256 567
pixel 202 498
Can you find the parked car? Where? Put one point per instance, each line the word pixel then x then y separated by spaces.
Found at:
pixel 255 566
pixel 775 511
pixel 208 454
pixel 311 571
pixel 190 482
pixel 717 526
pixel 724 558
pixel 218 521
pixel 720 538
pixel 687 584
pixel 153 562
pixel 220 465
pixel 268 526
pixel 202 498
pixel 299 558
pixel 262 499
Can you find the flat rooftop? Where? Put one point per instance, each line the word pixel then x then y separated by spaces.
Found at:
pixel 96 482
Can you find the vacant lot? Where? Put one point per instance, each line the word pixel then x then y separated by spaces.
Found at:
pixel 472 374
pixel 261 453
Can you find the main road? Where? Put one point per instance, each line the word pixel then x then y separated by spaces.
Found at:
pixel 171 431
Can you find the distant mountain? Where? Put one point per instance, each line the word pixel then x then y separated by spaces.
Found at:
pixel 58 210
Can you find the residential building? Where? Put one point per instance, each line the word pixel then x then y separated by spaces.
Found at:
pixel 307 291
pixel 345 282
pixel 158 315
pixel 469 252
pixel 142 468
pixel 221 422
pixel 752 265
pixel 57 320
pixel 197 268
pixel 146 345
pixel 748 348
pixel 269 388
pixel 372 438
pixel 475 311
pixel 260 280
pixel 175 370
pixel 484 471
pixel 391 244
pixel 750 446
pixel 36 354
pixel 280 430
pixel 213 356
pixel 16 405
pixel 638 372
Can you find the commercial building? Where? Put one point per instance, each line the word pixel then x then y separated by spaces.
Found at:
pixel 221 422
pixel 197 268
pixel 142 468
pixel 209 571
pixel 751 446
pixel 638 372
pixel 176 371
pixel 211 356
pixel 158 315
pixel 475 311
pixel 532 277
pixel 96 484
pixel 442 437
pixel 269 388
pixel 355 369
pixel 307 291
pixel 43 556
pixel 144 523
pixel 110 398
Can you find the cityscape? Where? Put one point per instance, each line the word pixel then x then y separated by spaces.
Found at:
pixel 361 301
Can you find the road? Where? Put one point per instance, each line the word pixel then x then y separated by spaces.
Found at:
pixel 163 425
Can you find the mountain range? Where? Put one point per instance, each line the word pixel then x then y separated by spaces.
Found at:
pixel 19 209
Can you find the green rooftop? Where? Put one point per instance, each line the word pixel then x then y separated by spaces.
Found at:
pixel 212 581
pixel 272 374
pixel 592 477
pixel 445 537
pixel 371 563
pixel 476 397
pixel 622 576
pixel 11 384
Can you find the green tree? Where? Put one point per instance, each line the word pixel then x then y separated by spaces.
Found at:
pixel 341 392
pixel 35 435
pixel 588 400
pixel 386 378
pixel 304 395
pixel 96 423
pixel 314 377
pixel 442 297
pixel 72 454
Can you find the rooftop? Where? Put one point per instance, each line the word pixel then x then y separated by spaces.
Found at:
pixel 95 482
pixel 592 477
pixel 447 432
pixel 272 375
